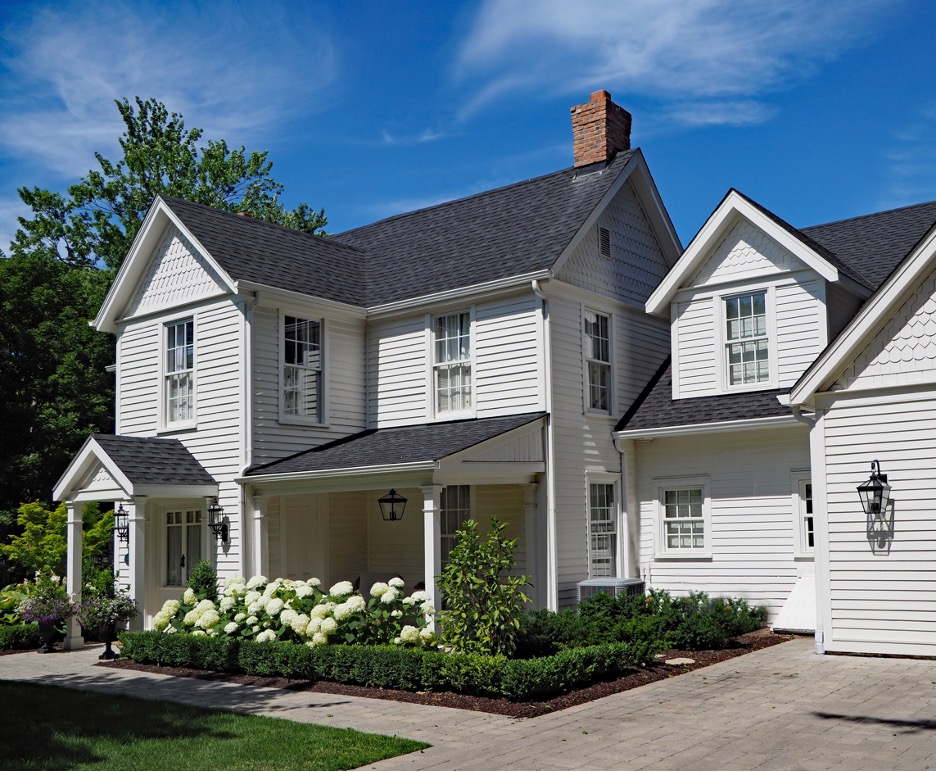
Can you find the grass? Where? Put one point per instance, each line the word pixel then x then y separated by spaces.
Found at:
pixel 48 727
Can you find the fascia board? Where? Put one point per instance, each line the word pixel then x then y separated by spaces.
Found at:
pixel 709 235
pixel 291 296
pixel 654 208
pixel 176 491
pixel 592 218
pixel 81 465
pixel 866 323
pixel 483 290
pixel 321 474
pixel 348 479
pixel 747 424
pixel 137 261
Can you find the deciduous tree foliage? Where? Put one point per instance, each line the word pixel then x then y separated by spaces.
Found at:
pixel 54 388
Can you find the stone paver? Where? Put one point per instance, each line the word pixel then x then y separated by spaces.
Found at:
pixel 780 708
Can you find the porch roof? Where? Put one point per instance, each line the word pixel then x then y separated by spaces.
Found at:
pixel 396 445
pixel 135 465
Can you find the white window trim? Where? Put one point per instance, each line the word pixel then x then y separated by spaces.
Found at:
pixel 586 384
pixel 801 551
pixel 721 357
pixel 593 477
pixel 198 505
pixel 451 415
pixel 662 484
pixel 165 426
pixel 283 416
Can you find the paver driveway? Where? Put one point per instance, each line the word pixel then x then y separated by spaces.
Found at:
pixel 780 708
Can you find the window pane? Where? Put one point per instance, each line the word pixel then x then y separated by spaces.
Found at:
pixel 174 555
pixel 455 509
pixel 193 546
pixel 683 523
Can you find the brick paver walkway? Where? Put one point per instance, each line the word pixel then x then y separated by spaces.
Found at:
pixel 780 708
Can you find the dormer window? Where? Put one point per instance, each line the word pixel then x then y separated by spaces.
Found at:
pixel 747 350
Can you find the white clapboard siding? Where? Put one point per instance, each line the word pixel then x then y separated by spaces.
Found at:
pixel 801 326
pixel 753 517
pixel 508 350
pixel 397 365
pixel 343 377
pixel 347 544
pixel 882 599
pixel 904 351
pixel 138 378
pixel 636 265
pixel 694 341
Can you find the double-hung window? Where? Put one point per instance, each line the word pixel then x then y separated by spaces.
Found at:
pixel 747 351
pixel 452 362
pixel 804 501
pixel 302 368
pixel 454 510
pixel 179 373
pixel 602 531
pixel 683 520
pixel 597 343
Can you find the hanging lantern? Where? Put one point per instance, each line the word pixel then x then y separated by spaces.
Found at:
pixel 392 506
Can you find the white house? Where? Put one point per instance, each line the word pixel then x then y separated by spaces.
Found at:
pixel 728 479
pixel 473 357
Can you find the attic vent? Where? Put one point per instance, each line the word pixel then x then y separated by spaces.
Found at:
pixel 604 242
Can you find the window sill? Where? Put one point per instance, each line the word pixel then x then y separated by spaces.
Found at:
pixel 804 556
pixel 291 420
pixel 177 429
pixel 683 556
pixel 454 415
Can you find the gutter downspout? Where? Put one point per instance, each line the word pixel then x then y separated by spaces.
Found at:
pixel 552 571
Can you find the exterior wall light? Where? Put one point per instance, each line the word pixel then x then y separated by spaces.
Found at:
pixel 122 524
pixel 392 506
pixel 875 493
pixel 216 520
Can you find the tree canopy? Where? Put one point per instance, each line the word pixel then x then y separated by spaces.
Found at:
pixel 55 389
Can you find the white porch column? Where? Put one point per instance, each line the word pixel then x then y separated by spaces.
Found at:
pixel 73 639
pixel 432 536
pixel 136 571
pixel 261 547
pixel 531 534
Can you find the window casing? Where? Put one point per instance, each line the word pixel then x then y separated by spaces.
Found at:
pixel 602 530
pixel 303 371
pixel 454 510
pixel 684 524
pixel 803 513
pixel 451 362
pixel 597 346
pixel 184 544
pixel 179 390
pixel 747 345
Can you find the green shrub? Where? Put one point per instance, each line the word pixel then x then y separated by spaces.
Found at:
pixel 204 581
pixel 19 636
pixel 483 603
pixel 542 633
pixel 699 622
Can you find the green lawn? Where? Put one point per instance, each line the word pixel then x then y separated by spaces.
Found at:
pixel 48 727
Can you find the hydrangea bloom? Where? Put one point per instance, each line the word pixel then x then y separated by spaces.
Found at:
pixel 389 596
pixel 300 624
pixel 313 582
pixel 426 635
pixel 255 608
pixel 356 603
pixel 378 589
pixel 342 588
pixel 234 581
pixel 208 619
pixel 227 603
pixel 256 581
pixel 274 606
pixel 251 620
pixel 343 611
pixel 252 597
pixel 287 617
pixel 319 639
pixel 427 608
pixel 397 583
pixel 304 590
pixel 396 613
pixel 240 617
pixel 421 596
pixel 230 628
pixel 266 635
pixel 271 588
pixel 315 625
pixel 409 634
pixel 329 625
pixel 189 597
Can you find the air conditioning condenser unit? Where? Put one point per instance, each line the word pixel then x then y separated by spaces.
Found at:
pixel 614 586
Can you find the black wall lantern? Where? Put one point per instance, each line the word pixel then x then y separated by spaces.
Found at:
pixel 392 506
pixel 122 524
pixel 875 493
pixel 216 520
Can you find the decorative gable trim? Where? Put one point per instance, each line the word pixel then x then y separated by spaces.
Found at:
pixel 710 236
pixel 148 239
pixel 869 321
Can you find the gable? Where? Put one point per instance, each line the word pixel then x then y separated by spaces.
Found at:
pixel 637 263
pixel 176 274
pixel 100 482
pixel 904 351
pixel 745 251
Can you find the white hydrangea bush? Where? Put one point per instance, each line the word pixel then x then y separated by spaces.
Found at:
pixel 304 612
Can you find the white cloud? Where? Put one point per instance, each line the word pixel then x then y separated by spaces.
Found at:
pixel 10 209
pixel 726 51
pixel 910 161
pixel 65 64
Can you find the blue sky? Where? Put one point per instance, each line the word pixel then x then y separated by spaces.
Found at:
pixel 817 110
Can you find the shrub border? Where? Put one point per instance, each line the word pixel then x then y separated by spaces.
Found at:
pixel 19 636
pixel 391 667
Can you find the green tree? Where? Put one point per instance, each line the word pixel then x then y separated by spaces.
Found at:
pixel 483 604
pixel 54 388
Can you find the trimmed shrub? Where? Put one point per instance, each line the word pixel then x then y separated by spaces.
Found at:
pixel 20 636
pixel 203 581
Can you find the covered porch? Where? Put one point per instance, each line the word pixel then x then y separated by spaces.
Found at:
pixel 318 513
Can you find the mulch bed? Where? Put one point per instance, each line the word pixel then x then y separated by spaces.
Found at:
pixel 637 676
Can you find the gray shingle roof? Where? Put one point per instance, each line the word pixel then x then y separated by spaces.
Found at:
pixel 655 408
pixel 504 232
pixel 253 250
pixel 153 460
pixel 397 445
pixel 876 244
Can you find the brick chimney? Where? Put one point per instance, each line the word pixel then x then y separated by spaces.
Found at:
pixel 600 129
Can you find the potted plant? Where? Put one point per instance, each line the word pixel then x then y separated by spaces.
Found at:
pixel 48 604
pixel 103 612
